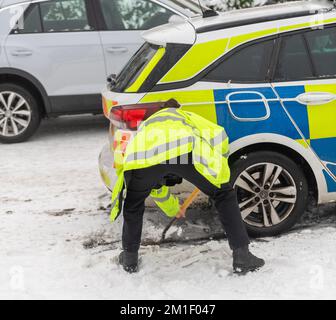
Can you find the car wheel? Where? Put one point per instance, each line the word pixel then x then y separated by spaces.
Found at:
pixel 272 192
pixel 20 115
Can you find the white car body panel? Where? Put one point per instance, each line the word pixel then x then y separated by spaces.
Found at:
pixel 68 63
pixel 182 32
pixel 118 48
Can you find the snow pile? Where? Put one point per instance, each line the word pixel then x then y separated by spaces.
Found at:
pixel 224 5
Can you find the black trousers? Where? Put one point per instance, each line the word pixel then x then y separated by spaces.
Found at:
pixel 142 182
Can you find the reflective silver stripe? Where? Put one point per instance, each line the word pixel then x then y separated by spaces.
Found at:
pixel 205 163
pixel 227 155
pixel 160 191
pixel 164 199
pixel 172 110
pixel 115 201
pixel 219 139
pixel 160 119
pixel 159 149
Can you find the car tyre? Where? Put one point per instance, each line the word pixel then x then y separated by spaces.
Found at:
pixel 20 115
pixel 272 192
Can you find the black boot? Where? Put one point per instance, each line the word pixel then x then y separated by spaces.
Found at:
pixel 244 261
pixel 129 261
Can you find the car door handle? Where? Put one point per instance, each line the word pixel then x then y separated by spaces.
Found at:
pixel 115 50
pixel 316 98
pixel 21 53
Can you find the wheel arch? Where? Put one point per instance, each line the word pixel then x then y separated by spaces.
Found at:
pixel 16 76
pixel 290 148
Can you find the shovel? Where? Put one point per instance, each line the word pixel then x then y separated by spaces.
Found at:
pixel 187 203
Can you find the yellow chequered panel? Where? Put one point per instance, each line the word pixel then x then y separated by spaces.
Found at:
pixel 322 119
pixel 315 21
pixel 195 60
pixel 198 97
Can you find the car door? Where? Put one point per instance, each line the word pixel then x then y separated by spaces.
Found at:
pixel 245 101
pixel 305 80
pixel 249 110
pixel 121 24
pixel 60 46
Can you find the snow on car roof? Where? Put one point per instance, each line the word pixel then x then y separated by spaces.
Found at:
pixel 188 7
pixel 260 14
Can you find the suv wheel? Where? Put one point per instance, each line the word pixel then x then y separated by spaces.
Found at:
pixel 272 192
pixel 20 116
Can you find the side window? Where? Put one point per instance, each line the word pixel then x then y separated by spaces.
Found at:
pixel 65 16
pixel 133 14
pixel 322 45
pixel 294 62
pixel 31 21
pixel 250 64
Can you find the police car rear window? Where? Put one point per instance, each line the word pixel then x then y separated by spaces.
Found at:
pixel 250 64
pixel 294 63
pixel 134 67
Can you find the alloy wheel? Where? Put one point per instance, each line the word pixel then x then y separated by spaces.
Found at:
pixel 15 114
pixel 267 194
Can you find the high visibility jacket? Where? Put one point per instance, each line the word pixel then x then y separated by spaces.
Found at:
pixel 169 134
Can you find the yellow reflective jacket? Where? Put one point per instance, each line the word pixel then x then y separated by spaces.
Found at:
pixel 169 134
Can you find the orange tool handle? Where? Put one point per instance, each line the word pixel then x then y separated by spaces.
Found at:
pixel 188 202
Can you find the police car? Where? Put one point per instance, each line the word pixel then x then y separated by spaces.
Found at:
pixel 268 75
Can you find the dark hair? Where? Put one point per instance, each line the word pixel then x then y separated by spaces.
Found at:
pixel 172 103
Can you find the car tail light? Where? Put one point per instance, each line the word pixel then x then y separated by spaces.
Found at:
pixel 131 116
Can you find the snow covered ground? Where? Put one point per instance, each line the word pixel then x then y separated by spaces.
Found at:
pixel 56 240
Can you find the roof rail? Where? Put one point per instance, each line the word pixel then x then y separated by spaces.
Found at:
pixel 268 18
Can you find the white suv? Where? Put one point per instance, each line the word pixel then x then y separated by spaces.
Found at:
pixel 55 55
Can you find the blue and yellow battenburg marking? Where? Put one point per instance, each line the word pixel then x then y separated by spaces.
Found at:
pixel 316 123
